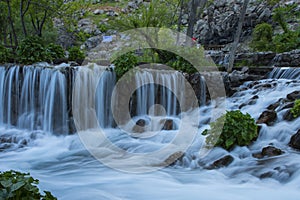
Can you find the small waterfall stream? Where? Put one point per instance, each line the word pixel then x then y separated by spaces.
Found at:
pixel 34 98
pixel 285 73
pixel 35 115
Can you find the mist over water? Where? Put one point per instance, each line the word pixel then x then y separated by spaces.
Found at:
pixel 66 168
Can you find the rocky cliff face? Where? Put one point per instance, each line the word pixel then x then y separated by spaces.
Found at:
pixel 220 19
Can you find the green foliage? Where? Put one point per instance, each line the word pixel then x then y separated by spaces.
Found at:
pixel 102 27
pixel 31 50
pixel 5 54
pixel 15 185
pixel 75 54
pixel 156 14
pixel 235 127
pixel 286 42
pixel 124 63
pixel 82 36
pixel 273 2
pixel 183 65
pixel 55 51
pixel 296 109
pixel 262 37
pixel 284 13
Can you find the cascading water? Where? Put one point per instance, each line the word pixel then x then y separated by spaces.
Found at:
pixel 164 94
pixel 94 88
pixel 67 169
pixel 34 98
pixel 285 73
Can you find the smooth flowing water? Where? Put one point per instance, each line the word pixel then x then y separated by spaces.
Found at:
pixel 69 171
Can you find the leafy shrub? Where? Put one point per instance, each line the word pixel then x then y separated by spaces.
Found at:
pixel 5 54
pixel 183 65
pixel 55 51
pixel 282 14
pixel 75 54
pixel 235 127
pixel 296 109
pixel 103 27
pixel 262 37
pixel 82 36
pixel 31 50
pixel 287 41
pixel 15 185
pixel 124 63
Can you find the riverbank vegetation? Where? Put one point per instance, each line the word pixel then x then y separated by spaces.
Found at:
pixel 16 185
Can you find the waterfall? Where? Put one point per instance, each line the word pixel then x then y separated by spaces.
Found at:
pixel 104 90
pixel 203 91
pixel 285 73
pixel 92 97
pixel 39 98
pixel 34 98
pixel 163 87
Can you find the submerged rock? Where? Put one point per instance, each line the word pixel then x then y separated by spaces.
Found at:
pixel 139 126
pixel 267 117
pixel 293 96
pixel 173 158
pixel 269 151
pixel 288 116
pixel 295 141
pixel 168 124
pixel 222 162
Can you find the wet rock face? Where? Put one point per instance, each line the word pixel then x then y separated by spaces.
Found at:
pixel 168 124
pixel 173 158
pixel 267 117
pixel 139 126
pixel 269 151
pixel 293 96
pixel 222 162
pixel 295 141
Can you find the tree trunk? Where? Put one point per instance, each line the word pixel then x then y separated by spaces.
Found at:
pixel 22 15
pixel 192 20
pixel 11 23
pixel 179 21
pixel 237 36
pixel 194 6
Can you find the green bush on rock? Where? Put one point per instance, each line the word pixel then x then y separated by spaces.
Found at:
pixel 75 54
pixel 15 185
pixel 235 127
pixel 262 37
pixel 296 109
pixel 124 63
pixel 31 50
pixel 5 54
pixel 55 51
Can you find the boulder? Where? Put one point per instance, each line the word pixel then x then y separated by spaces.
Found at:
pixel 98 12
pixel 173 158
pixel 293 96
pixel 92 42
pixel 139 126
pixel 288 116
pixel 269 151
pixel 222 162
pixel 295 141
pixel 267 117
pixel 168 124
pixel 141 122
pixel 274 105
